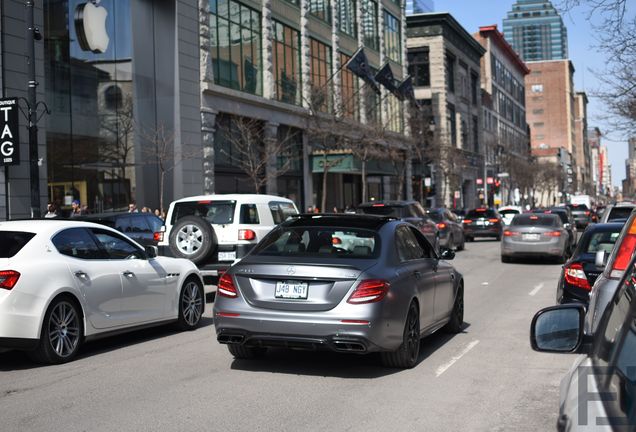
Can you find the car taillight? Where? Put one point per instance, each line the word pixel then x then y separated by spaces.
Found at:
pixel 369 291
pixel 511 233
pixel 624 252
pixel 158 236
pixel 8 279
pixel 336 241
pixel 493 220
pixel 226 286
pixel 574 275
pixel 553 234
pixel 246 234
pixel 467 221
pixel 587 213
pixel 441 225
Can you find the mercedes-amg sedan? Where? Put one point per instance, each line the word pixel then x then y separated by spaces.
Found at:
pixel 63 282
pixel 349 283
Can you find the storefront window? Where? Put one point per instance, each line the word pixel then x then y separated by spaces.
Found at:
pixel 320 57
pixel 90 146
pixel 235 39
pixel 287 63
pixel 392 38
pixel 349 90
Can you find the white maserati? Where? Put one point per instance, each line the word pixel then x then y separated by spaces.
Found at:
pixel 63 282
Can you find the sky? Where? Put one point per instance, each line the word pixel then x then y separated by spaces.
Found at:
pixel 472 14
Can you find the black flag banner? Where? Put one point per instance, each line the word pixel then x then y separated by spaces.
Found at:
pixel 359 65
pixel 385 77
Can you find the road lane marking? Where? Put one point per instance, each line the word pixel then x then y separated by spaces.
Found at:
pixel 536 289
pixel 484 283
pixel 443 368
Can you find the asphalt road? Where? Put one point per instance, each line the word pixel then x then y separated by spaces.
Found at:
pixel 484 379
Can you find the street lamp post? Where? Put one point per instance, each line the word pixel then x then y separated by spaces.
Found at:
pixel 32 34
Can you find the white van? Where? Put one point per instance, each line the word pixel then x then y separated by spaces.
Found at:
pixel 581 199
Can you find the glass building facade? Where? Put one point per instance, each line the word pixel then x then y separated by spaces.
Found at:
pixel 536 31
pixel 419 6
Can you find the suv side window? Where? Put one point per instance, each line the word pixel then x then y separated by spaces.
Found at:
pixel 77 243
pixel 117 247
pixel 281 210
pixel 249 214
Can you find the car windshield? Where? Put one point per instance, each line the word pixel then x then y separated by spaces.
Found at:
pixel 317 241
pixel 578 207
pixel 436 216
pixel 215 212
pixel 600 241
pixel 481 213
pixel 509 212
pixel 619 213
pixel 11 242
pixel 382 210
pixel 534 220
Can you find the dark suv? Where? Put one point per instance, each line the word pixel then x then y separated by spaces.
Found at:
pixel 482 222
pixel 144 228
pixel 409 211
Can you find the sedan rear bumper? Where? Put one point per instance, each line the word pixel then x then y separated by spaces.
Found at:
pixel 553 247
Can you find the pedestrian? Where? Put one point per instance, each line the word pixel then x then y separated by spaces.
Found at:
pixel 158 213
pixel 335 209
pixel 310 209
pixel 51 211
pixel 76 209
pixel 146 210
pixel 132 207
pixel 316 210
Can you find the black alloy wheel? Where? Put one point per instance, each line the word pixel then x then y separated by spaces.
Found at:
pixel 456 322
pixel 406 355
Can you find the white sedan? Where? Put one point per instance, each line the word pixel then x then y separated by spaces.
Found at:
pixel 63 282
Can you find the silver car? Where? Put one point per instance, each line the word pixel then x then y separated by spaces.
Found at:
pixel 347 283
pixel 535 235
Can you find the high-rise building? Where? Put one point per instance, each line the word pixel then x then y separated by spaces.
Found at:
pixel 419 6
pixel 536 31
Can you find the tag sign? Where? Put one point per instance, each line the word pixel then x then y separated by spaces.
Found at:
pixel 9 139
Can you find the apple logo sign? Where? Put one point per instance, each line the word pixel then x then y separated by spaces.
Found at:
pixel 90 27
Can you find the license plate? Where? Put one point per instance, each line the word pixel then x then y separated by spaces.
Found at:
pixel 227 256
pixel 530 237
pixel 291 290
pixel 481 223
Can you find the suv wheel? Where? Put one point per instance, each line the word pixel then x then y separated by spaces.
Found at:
pixel 192 238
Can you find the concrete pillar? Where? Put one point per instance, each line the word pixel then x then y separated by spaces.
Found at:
pixel 208 127
pixel 305 61
pixel 308 176
pixel 205 48
pixel 267 50
pixel 270 139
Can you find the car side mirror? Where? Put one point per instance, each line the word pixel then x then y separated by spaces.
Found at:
pixel 558 328
pixel 151 251
pixel 447 254
pixel 599 258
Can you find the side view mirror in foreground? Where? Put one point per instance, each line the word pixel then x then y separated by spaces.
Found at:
pixel 558 328
pixel 447 254
pixel 599 259
pixel 151 251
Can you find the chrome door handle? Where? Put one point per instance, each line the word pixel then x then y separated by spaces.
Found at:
pixel 128 274
pixel 81 275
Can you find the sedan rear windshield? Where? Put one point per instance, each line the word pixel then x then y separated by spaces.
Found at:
pixel 11 242
pixel 215 212
pixel 383 210
pixel 619 213
pixel 437 217
pixel 601 241
pixel 578 207
pixel 535 220
pixel 481 213
pixel 319 241
pixel 508 212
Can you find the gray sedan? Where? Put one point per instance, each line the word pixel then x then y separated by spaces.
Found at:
pixel 348 283
pixel 535 235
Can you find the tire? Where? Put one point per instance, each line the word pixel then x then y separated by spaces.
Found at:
pixel 462 245
pixel 506 259
pixel 498 238
pixel 405 357
pixel 456 322
pixel 470 239
pixel 451 243
pixel 192 238
pixel 243 352
pixel 191 304
pixel 61 334
pixel 562 259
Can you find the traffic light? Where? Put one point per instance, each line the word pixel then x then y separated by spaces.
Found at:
pixel 496 185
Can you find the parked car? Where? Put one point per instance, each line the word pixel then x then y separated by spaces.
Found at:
pixel 582 214
pixel 535 235
pixel 144 228
pixel 408 211
pixel 482 222
pixel 214 231
pixel 64 282
pixel 581 271
pixel 614 268
pixel 618 212
pixel 508 212
pixel 567 219
pixel 451 232
pixel 599 391
pixel 299 289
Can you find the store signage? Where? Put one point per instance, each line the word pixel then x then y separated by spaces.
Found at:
pixel 9 128
pixel 490 180
pixel 90 27
pixel 480 181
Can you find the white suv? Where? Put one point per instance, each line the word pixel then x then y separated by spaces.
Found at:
pixel 214 231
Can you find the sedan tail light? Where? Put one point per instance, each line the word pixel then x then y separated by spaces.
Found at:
pixel 493 220
pixel 226 286
pixel 8 279
pixel 511 233
pixel 369 291
pixel 467 221
pixel 574 275
pixel 246 234
pixel 587 213
pixel 552 234
pixel 625 251
pixel 441 225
